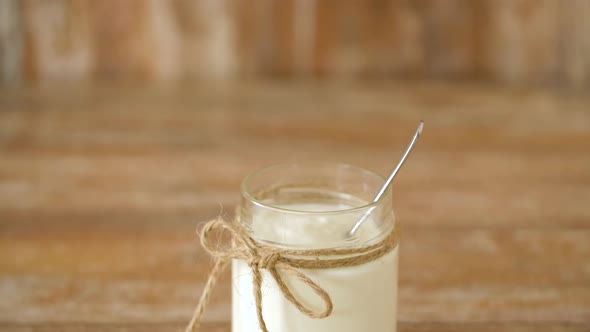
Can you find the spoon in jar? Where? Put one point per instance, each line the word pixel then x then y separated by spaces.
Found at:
pixel 389 179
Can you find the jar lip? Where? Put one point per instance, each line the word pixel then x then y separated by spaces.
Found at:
pixel 255 201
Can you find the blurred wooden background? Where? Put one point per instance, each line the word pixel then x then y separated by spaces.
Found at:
pixel 506 41
pixel 103 178
pixel 101 189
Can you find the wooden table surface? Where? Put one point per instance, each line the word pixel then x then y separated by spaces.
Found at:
pixel 101 189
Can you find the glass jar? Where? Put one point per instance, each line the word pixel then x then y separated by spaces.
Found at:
pixel 314 206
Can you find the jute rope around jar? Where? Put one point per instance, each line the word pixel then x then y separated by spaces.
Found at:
pixel 278 261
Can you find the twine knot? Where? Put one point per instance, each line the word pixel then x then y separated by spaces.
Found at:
pixel 279 262
pixel 264 261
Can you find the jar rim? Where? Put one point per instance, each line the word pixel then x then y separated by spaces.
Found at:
pixel 248 195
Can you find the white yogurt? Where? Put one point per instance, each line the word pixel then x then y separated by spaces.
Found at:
pixel 364 297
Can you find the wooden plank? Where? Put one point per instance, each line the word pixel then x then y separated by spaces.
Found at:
pixel 575 57
pixel 222 327
pixel 81 155
pixel 101 272
pixel 197 38
pixel 58 41
pixel 451 34
pixel 11 42
pixel 524 41
pixel 78 327
pixel 74 184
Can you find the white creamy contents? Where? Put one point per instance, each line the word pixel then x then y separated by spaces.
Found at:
pixel 364 297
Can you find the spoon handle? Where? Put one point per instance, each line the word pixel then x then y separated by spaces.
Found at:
pixel 401 162
pixel 390 178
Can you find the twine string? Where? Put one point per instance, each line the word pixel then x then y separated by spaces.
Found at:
pixel 278 262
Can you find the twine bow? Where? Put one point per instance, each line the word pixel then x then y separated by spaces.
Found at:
pixel 278 261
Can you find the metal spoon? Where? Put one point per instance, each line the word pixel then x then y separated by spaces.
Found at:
pixel 389 179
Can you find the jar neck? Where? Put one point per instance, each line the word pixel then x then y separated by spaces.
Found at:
pixel 315 207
